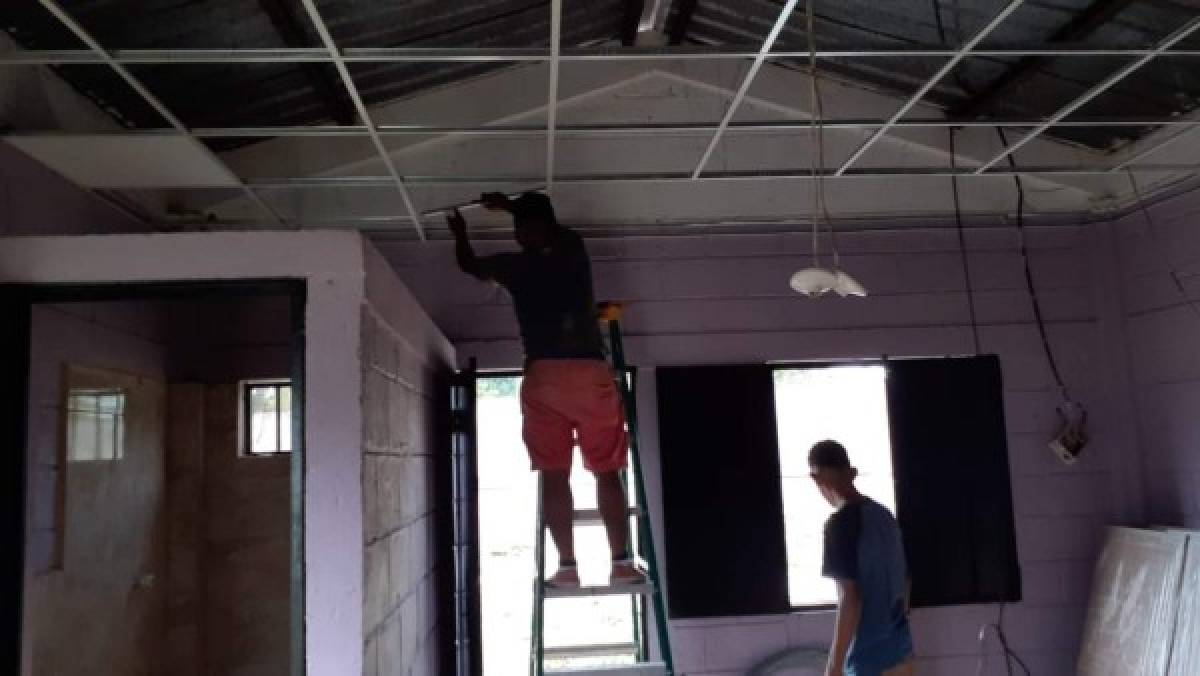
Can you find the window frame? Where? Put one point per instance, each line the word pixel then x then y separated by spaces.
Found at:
pixel 117 419
pixel 245 392
pixel 777 366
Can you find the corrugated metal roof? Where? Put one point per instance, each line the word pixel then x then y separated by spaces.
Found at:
pixel 216 95
pixel 1165 87
pixel 222 95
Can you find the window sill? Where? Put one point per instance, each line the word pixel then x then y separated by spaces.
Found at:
pixel 809 611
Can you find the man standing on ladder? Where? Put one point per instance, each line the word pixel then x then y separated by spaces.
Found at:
pixel 568 393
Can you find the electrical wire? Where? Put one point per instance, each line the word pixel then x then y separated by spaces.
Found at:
pixel 962 244
pixel 1010 655
pixel 1024 252
pixel 814 132
pixel 817 135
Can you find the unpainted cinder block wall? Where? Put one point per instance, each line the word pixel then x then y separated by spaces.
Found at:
pixel 403 354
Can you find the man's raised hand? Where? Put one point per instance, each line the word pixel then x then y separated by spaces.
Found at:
pixel 495 201
pixel 456 223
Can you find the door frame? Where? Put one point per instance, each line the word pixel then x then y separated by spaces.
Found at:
pixel 16 308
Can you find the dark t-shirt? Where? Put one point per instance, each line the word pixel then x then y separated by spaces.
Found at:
pixel 552 293
pixel 863 545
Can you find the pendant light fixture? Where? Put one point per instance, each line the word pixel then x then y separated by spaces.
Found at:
pixel 818 280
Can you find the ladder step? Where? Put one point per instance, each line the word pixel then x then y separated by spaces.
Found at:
pixel 599 590
pixel 594 650
pixel 639 669
pixel 587 517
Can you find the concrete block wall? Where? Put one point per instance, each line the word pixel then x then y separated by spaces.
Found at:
pixel 229 515
pixel 185 529
pixel 1157 283
pixel 402 353
pixel 75 557
pixel 127 337
pixel 246 555
pixel 699 300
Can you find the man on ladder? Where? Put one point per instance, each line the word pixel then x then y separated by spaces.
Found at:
pixel 568 394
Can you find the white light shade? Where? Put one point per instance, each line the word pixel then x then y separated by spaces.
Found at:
pixel 813 281
pixel 845 285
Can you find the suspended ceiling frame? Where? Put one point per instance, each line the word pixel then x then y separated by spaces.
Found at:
pixel 330 53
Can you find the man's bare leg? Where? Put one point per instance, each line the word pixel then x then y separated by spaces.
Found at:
pixel 610 498
pixel 559 510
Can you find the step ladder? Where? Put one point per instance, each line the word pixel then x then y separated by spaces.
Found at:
pixel 641 546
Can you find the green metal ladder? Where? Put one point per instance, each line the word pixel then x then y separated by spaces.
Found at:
pixel 641 546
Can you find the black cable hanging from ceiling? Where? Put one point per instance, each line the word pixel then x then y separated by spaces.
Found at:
pixel 1024 251
pixel 962 244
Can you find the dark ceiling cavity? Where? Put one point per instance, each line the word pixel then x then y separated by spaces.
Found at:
pixel 290 94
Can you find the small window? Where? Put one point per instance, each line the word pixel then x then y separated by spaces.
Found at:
pixel 845 403
pixel 95 425
pixel 266 417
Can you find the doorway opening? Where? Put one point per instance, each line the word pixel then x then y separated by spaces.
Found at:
pixel 507 504
pixel 152 538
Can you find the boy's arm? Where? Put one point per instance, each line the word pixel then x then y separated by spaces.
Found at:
pixel 848 613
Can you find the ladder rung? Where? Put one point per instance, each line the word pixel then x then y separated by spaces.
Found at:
pixel 594 650
pixel 639 669
pixel 598 590
pixel 592 516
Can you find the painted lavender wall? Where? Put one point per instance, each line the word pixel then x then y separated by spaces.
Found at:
pixel 1158 286
pixel 403 353
pixel 725 299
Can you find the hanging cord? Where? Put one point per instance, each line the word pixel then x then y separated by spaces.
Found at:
pixel 962 243
pixel 1010 655
pixel 1024 251
pixel 817 132
pixel 1150 225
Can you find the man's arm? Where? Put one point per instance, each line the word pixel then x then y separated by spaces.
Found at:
pixel 468 262
pixel 848 613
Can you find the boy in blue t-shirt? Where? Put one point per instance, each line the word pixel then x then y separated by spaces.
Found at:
pixel 865 556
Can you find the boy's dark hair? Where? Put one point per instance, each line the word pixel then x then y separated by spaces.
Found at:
pixel 534 206
pixel 830 454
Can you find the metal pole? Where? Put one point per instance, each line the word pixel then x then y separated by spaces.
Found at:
pixel 763 51
pixel 552 96
pixel 86 38
pixel 913 100
pixel 315 15
pixel 1103 86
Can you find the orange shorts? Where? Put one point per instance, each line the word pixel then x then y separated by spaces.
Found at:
pixel 569 400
